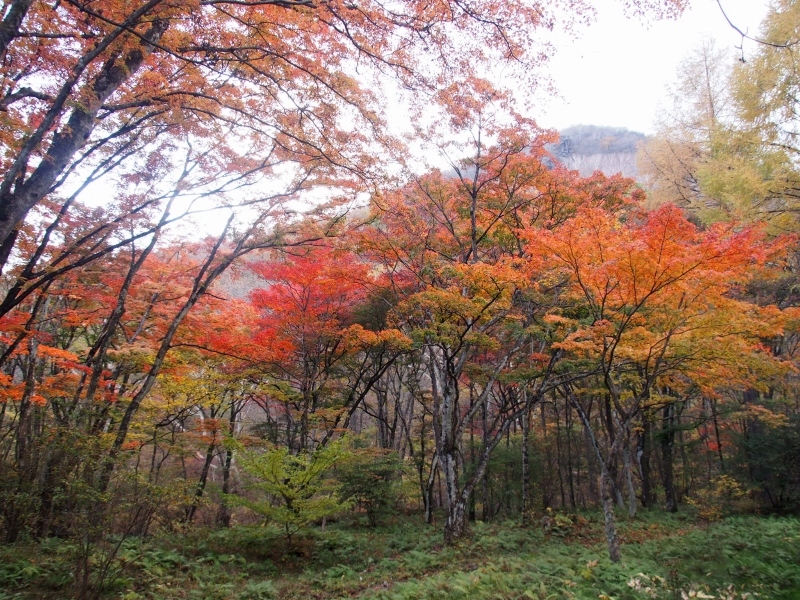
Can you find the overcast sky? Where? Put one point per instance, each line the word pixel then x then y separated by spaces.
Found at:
pixel 616 72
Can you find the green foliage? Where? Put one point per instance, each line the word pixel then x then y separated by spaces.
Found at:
pixel 670 561
pixel 45 567
pixel 558 524
pixel 258 590
pixel 765 86
pixel 504 476
pixel 728 148
pixel 371 479
pixel 665 557
pixel 770 455
pixel 295 490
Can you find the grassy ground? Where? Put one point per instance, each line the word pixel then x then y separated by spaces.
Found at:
pixel 664 556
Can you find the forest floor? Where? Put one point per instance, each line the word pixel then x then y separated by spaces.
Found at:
pixel 664 556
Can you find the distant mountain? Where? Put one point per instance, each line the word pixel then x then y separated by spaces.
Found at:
pixel 588 148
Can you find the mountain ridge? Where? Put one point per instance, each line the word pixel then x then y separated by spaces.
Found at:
pixel 590 148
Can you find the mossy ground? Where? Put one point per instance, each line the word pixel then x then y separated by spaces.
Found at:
pixel 664 556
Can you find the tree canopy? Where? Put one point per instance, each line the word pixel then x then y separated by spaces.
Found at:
pixel 499 337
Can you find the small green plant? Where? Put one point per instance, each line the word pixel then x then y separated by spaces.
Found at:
pixel 259 590
pixel 557 524
pixel 295 490
pixel 371 478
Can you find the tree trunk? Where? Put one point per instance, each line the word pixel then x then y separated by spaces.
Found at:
pixel 547 488
pixel 472 464
pixel 687 467
pixel 606 483
pixel 14 205
pixel 558 456
pixel 667 451
pixel 632 501
pixel 9 28
pixel 427 492
pixel 608 421
pixel 526 469
pixel 486 512
pixel 591 469
pixel 224 514
pixel 643 457
pixel 455 526
pixel 201 484
pixel 607 490
pixel 568 419
pixel 716 434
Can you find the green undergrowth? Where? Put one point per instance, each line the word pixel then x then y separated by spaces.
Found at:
pixel 664 556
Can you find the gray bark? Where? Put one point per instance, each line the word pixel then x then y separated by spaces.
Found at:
pixel 626 461
pixel 667 458
pixel 607 491
pixel 526 469
pixel 17 198
pixel 9 28
pixel 643 458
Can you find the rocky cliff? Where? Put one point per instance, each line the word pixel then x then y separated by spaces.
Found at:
pixel 588 148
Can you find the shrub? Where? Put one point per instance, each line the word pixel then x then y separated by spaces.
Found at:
pixel 371 478
pixel 295 490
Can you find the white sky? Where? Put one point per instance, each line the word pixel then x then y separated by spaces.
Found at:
pixel 616 73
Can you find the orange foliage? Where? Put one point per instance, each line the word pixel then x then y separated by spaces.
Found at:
pixel 660 293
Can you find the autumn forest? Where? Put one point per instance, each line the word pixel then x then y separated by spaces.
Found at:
pixel 261 337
